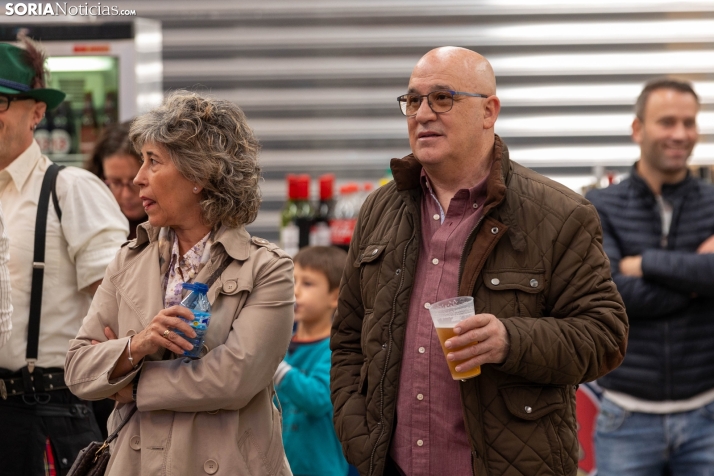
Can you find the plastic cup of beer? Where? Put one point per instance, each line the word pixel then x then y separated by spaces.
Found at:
pixel 445 315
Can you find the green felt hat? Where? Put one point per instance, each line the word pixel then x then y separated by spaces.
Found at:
pixel 16 78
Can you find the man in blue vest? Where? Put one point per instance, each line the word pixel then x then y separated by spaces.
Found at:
pixel 658 227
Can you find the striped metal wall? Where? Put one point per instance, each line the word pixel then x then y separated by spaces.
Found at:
pixel 319 79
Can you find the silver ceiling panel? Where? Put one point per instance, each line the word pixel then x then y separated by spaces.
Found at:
pixel 318 79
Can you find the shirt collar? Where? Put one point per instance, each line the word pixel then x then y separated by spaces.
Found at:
pixel 477 193
pixel 197 255
pixel 21 168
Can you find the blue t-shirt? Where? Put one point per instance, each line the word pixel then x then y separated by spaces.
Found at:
pixel 311 444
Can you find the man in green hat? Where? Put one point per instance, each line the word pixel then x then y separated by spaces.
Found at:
pixel 43 424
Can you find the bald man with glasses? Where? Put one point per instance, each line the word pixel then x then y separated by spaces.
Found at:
pixel 462 219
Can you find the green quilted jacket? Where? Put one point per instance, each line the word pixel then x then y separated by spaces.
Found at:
pixel 564 316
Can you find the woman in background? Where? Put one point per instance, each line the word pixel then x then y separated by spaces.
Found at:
pixel 115 161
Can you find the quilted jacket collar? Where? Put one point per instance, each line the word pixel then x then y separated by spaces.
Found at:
pixel 407 170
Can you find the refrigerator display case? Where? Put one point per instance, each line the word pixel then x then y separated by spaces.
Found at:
pixel 110 71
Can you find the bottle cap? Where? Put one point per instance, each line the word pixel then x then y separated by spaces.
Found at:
pixel 298 186
pixel 327 183
pixel 200 287
pixel 302 187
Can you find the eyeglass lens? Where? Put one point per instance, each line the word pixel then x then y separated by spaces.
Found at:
pixel 4 103
pixel 117 186
pixel 439 101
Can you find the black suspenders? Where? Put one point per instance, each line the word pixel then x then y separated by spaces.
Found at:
pixel 38 261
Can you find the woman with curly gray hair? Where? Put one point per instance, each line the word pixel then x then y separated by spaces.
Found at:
pixel 213 414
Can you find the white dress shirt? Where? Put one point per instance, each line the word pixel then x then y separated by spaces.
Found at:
pixel 77 252
pixel 5 289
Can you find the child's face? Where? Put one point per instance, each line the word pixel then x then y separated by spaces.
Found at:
pixel 313 299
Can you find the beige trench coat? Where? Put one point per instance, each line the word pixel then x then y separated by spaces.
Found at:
pixel 209 416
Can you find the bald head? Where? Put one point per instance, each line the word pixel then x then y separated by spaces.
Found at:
pixel 474 69
pixel 454 143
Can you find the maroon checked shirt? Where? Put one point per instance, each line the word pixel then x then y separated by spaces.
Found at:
pixel 430 437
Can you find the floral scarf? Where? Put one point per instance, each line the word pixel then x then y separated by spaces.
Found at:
pixel 177 269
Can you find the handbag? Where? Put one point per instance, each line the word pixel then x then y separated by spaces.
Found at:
pixel 93 460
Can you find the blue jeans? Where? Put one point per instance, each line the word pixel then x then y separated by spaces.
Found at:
pixel 644 444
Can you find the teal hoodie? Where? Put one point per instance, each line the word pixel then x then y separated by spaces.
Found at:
pixel 311 444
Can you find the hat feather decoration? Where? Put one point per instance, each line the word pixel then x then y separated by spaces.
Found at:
pixel 35 58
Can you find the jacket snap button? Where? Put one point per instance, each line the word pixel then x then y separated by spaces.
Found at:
pixel 534 283
pixel 384 346
pixel 398 271
pixel 375 252
pixel 494 230
pixel 495 281
pixel 210 466
pixel 135 442
pixel 528 409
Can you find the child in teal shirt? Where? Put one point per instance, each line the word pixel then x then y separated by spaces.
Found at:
pixel 302 380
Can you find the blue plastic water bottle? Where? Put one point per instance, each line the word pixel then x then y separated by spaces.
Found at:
pixel 197 302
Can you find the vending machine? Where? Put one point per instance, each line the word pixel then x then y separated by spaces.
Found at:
pixel 111 71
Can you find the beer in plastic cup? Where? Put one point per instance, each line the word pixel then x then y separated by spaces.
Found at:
pixel 445 315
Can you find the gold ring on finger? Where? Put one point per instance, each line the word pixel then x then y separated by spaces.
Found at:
pixel 166 333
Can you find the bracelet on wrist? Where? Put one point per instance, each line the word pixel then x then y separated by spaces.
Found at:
pixel 131 359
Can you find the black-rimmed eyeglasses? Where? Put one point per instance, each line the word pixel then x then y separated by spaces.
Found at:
pixel 439 101
pixel 6 100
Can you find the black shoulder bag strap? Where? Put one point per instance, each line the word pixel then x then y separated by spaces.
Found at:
pixel 226 262
pixel 114 434
pixel 38 261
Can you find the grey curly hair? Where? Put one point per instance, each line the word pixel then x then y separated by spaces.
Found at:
pixel 209 142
